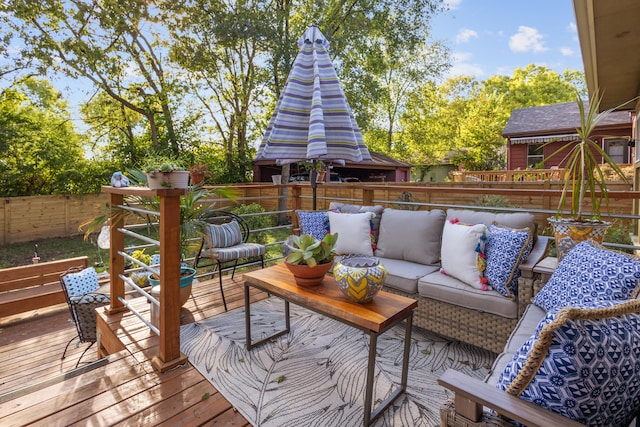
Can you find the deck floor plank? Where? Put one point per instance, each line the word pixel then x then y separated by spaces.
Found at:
pixel 124 391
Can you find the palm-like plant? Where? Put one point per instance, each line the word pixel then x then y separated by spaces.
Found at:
pixel 583 171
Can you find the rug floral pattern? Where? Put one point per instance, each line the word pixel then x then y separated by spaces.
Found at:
pixel 316 374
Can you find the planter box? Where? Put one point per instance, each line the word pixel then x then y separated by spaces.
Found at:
pixel 175 179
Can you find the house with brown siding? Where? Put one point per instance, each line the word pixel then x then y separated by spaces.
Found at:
pixel 529 129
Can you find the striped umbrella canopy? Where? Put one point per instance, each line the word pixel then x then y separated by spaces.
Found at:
pixel 312 119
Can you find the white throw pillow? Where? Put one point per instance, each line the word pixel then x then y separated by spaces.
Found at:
pixel 354 232
pixel 461 248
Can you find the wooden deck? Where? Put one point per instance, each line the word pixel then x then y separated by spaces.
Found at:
pixel 38 388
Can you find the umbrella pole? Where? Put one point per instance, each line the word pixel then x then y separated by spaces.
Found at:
pixel 314 182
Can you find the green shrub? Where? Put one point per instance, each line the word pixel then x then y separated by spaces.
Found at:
pixel 256 222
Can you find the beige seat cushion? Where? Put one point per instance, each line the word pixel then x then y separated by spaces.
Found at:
pixel 444 288
pixel 404 275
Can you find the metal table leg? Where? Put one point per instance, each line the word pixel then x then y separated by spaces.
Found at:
pixel 369 415
pixel 247 320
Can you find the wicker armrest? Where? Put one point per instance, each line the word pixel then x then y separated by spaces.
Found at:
pixel 472 394
pixel 538 253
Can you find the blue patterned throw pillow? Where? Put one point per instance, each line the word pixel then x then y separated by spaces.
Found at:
pixel 82 282
pixel 505 249
pixel 224 235
pixel 582 363
pixel 314 223
pixel 589 273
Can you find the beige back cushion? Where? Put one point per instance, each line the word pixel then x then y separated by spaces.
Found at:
pixel 411 235
pixel 511 220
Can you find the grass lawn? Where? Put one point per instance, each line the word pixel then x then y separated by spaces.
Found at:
pixel 51 250
pixel 69 247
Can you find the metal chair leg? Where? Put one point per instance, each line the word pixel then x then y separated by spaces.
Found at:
pixel 221 290
pixel 67 347
pixel 234 269
pixel 83 353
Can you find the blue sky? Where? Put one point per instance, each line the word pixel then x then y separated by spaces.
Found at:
pixel 489 37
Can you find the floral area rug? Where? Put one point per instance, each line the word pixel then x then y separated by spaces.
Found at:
pixel 315 375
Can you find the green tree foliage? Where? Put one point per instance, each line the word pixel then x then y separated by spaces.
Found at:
pixel 41 153
pixel 461 121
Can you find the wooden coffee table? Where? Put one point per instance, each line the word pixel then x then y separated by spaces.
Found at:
pixel 374 318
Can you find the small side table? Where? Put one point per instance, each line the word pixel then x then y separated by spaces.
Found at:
pixel 544 269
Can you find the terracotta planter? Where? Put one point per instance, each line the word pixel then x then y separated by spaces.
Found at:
pixel 309 276
pixel 162 180
pixel 569 232
pixel 197 178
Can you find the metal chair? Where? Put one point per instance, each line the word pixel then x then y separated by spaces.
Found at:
pixel 80 286
pixel 225 240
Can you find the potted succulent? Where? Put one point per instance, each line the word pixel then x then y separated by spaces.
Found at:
pixel 165 173
pixel 583 177
pixel 310 259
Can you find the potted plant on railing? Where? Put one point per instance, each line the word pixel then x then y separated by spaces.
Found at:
pixel 310 259
pixel 165 173
pixel 198 173
pixel 583 178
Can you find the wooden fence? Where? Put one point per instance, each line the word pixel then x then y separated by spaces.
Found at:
pixel 33 218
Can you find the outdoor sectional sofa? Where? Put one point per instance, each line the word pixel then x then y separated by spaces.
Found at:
pixel 574 356
pixel 409 244
pixel 569 349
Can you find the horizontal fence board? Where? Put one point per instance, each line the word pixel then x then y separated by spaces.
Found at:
pixel 40 217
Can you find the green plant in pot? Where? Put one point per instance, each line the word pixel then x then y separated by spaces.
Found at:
pixel 164 172
pixel 583 178
pixel 309 259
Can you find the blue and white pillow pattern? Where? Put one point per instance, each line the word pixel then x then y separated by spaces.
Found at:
pixel 314 223
pixel 582 363
pixel 505 249
pixel 590 273
pixel 82 282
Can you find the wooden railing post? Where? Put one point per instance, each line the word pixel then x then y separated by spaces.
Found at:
pixel 116 266
pixel 169 352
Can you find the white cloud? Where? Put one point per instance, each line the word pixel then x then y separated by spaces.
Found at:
pixel 566 51
pixel 452 4
pixel 462 65
pixel 527 39
pixel 572 27
pixel 465 35
pixel 466 69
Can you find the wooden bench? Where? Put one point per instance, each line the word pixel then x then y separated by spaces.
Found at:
pixel 29 287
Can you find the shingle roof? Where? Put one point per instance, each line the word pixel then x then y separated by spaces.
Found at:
pixel 556 118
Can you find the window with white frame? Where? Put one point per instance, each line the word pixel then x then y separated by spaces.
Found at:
pixel 617 149
pixel 535 155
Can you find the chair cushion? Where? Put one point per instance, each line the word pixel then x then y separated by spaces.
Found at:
pixel 411 235
pixel 223 235
pixel 590 273
pixel 506 248
pixel 82 282
pixel 354 232
pixel 463 252
pixel 314 223
pixel 582 363
pixel 243 250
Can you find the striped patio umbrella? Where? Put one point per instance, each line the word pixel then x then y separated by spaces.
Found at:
pixel 313 120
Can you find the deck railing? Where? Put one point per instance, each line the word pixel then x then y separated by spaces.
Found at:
pixel 281 201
